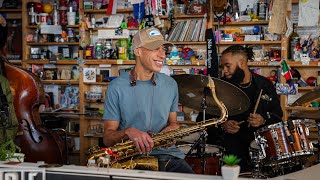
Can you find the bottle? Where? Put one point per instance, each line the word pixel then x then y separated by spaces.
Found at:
pixel 130 49
pixel 63 12
pixel 93 22
pixel 98 51
pixel 123 48
pixel 55 14
pixel 107 49
pixel 90 48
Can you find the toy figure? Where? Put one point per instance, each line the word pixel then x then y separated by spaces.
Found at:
pixel 306 43
pixel 187 53
pixel 297 52
pixel 314 48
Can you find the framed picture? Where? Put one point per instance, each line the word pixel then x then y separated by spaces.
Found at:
pixel 67 52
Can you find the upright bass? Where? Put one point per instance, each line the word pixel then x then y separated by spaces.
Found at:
pixel 36 142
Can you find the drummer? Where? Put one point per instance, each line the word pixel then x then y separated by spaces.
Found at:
pixel 237 132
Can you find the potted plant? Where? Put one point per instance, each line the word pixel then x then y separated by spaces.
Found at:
pixel 8 152
pixel 230 170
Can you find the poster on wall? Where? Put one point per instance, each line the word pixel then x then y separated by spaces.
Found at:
pixel 89 74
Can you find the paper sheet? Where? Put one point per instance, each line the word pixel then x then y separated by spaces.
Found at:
pixel 278 14
pixel 308 12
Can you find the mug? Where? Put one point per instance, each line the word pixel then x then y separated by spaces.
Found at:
pixel 41 18
pixel 71 18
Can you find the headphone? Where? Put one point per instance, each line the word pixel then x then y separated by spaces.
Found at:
pixel 133 79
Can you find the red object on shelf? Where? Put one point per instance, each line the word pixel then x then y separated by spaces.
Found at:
pixel 311 81
pixel 38 7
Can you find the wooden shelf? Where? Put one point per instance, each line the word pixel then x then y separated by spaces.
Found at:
pixel 53 43
pixel 264 63
pixel 108 61
pixel 308 88
pixel 10 10
pixel 62 82
pixel 301 108
pixel 185 16
pixel 93 135
pixel 104 28
pixel 250 42
pixel 68 26
pixel 190 43
pixel 94 101
pixel 242 23
pixel 96 83
pixel 46 61
pixel 15 61
pixel 314 63
pixel 126 10
pixel 73 26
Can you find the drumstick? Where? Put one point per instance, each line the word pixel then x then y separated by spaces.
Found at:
pixel 257 104
pixel 239 123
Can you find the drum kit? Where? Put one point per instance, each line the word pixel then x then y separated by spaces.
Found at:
pixel 280 148
pixel 277 148
pixel 194 93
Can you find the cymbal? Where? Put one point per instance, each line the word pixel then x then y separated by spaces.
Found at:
pixel 308 97
pixel 191 92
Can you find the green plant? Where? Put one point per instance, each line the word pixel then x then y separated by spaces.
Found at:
pixel 230 159
pixel 7 150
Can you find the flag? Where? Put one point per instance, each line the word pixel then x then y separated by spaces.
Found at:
pixel 286 71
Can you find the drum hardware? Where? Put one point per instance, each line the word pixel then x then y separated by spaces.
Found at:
pixel 200 145
pixel 263 143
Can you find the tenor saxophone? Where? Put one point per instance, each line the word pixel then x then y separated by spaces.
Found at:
pixel 121 154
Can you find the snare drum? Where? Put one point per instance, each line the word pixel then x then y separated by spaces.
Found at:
pixel 213 155
pixel 277 146
pixel 301 143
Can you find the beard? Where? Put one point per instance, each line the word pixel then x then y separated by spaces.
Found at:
pixel 237 77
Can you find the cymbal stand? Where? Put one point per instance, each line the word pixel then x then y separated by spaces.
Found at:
pixel 200 143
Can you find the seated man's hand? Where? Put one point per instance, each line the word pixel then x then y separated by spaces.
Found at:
pixel 142 140
pixel 256 120
pixel 231 126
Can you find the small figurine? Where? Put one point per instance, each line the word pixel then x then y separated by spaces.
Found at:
pixel 314 48
pixel 187 53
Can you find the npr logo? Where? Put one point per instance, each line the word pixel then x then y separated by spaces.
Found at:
pixel 21 174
